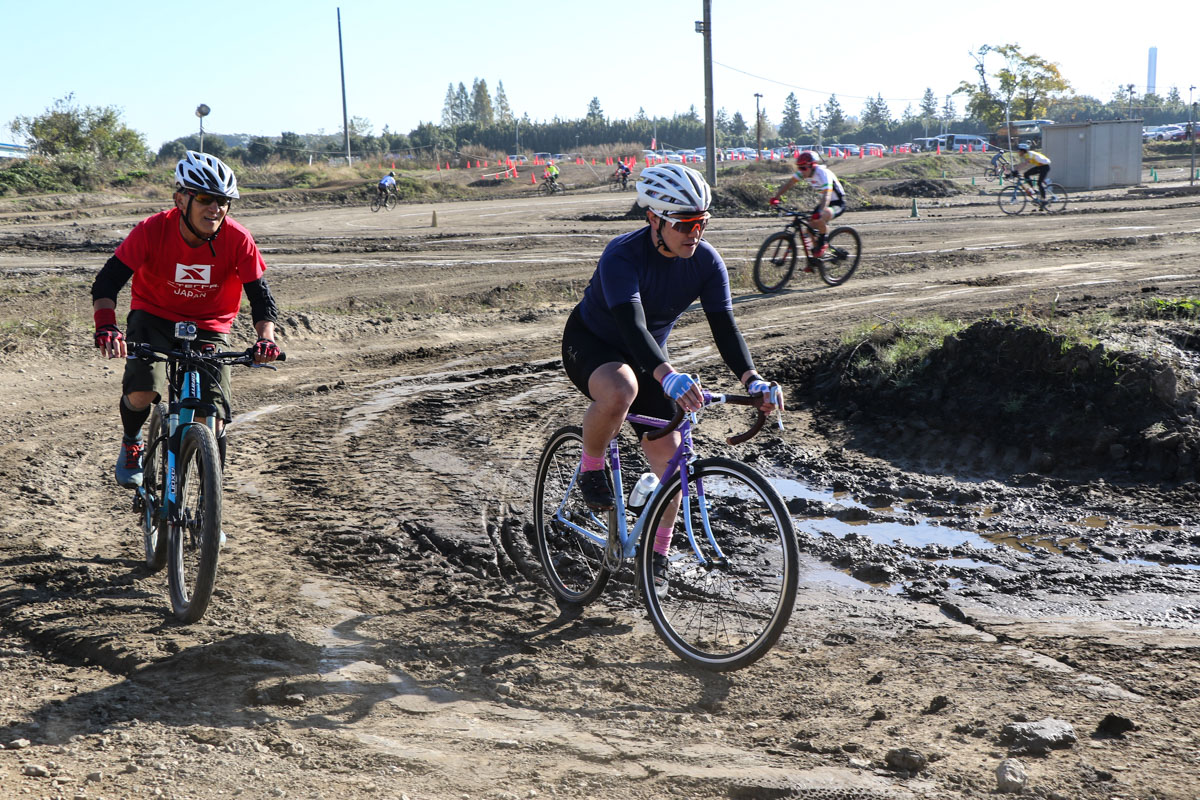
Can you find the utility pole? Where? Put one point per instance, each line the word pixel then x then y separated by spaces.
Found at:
pixel 757 128
pixel 1191 129
pixel 710 131
pixel 342 63
pixel 1130 87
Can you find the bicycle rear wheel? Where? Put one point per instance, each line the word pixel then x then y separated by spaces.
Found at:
pixel 570 536
pixel 841 257
pixel 1056 198
pixel 154 482
pixel 1012 200
pixel 775 262
pixel 196 541
pixel 726 612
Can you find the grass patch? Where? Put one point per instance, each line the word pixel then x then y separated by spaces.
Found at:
pixel 895 351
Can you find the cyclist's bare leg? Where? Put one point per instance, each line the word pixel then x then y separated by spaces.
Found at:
pixel 658 453
pixel 140 401
pixel 614 387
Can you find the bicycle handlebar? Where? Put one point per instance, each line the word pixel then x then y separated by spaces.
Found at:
pixel 710 399
pixel 231 357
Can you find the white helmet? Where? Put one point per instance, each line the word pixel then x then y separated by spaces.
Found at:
pixel 673 187
pixel 204 173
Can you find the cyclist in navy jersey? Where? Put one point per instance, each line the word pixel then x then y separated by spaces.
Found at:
pixel 614 343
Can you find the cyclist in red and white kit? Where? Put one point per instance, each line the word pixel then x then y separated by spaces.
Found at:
pixel 189 263
pixel 832 196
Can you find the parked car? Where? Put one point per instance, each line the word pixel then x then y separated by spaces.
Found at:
pixel 874 148
pixel 925 144
pixel 1166 133
pixel 1181 135
pixel 562 156
pixel 542 157
pixel 848 149
pixel 517 158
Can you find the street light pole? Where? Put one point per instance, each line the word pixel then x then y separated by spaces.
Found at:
pixel 1130 87
pixel 202 112
pixel 757 128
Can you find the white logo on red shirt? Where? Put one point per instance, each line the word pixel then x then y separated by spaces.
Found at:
pixel 192 273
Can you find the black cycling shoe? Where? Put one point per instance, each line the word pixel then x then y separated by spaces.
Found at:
pixel 662 583
pixel 597 494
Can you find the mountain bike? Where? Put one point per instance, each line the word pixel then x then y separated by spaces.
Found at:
pixel 179 501
pixel 1021 190
pixel 618 182
pixel 776 259
pixel 732 570
pixel 549 187
pixel 386 200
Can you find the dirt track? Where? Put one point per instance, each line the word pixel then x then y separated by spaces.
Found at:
pixel 371 636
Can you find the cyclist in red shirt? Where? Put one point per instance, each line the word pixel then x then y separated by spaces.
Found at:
pixel 189 263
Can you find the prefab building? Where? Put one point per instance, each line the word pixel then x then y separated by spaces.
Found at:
pixel 1094 155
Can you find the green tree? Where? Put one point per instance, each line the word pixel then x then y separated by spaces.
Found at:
pixel 1025 85
pixel 833 120
pixel 504 114
pixel 738 127
pixel 790 127
pixel 481 103
pixel 876 113
pixel 450 108
pixel 462 104
pixel 593 110
pixel 259 150
pixel 291 146
pixel 928 108
pixel 69 129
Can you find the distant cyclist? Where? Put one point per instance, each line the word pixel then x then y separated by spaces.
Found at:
pixel 614 345
pixel 551 173
pixel 1040 168
pixel 621 173
pixel 832 200
pixel 387 184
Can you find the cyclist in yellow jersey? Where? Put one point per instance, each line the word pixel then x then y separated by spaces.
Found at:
pixel 551 173
pixel 1040 168
pixel 832 200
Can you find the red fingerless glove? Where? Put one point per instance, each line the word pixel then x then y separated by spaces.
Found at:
pixel 106 328
pixel 266 348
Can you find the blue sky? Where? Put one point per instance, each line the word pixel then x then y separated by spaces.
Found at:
pixel 265 66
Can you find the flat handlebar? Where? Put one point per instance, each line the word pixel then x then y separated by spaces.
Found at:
pixel 232 357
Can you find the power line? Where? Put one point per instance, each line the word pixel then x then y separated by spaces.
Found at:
pixel 816 91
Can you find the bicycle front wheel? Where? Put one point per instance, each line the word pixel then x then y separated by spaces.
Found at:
pixel 841 257
pixel 544 188
pixel 1056 198
pixel 391 201
pixel 1012 200
pixel 570 536
pixel 723 611
pixel 775 262
pixel 196 539
pixel 154 484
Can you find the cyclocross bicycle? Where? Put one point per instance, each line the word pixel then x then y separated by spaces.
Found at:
pixel 776 259
pixel 385 199
pixel 1020 190
pixel 999 167
pixel 618 182
pixel 179 501
pixel 548 187
pixel 732 569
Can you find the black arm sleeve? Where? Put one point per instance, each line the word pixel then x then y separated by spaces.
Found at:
pixel 262 304
pixel 631 322
pixel 112 276
pixel 730 342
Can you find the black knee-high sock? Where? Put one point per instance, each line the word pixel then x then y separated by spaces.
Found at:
pixel 131 420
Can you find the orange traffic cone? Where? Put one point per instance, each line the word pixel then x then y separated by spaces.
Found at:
pixel 532 179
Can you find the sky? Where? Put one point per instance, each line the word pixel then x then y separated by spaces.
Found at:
pixel 264 67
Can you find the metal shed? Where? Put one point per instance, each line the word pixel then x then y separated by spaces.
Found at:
pixel 1094 155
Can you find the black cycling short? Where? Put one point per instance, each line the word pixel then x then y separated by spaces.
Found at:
pixel 837 206
pixel 583 352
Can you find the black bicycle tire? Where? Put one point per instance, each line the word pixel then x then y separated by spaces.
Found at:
pixel 748 551
pixel 557 464
pixel 763 283
pixel 1007 200
pixel 191 593
pixel 154 471
pixel 376 202
pixel 990 174
pixel 836 241
pixel 391 201
pixel 1056 198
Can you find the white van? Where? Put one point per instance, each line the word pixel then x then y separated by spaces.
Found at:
pixel 965 142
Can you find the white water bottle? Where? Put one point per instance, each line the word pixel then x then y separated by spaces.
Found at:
pixel 642 490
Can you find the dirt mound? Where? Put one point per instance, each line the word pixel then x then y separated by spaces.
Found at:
pixel 921 187
pixel 1011 396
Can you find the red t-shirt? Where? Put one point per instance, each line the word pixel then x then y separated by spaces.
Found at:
pixel 181 283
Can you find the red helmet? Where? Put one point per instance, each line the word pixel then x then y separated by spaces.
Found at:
pixel 807 158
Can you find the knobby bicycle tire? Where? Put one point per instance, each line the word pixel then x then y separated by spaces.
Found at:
pixel 1012 200
pixel 196 541
pixel 727 613
pixel 841 257
pixel 154 481
pixel 1056 198
pixel 391 201
pixel 376 202
pixel 775 262
pixel 573 563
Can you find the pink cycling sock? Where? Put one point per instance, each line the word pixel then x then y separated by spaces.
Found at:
pixel 662 540
pixel 588 463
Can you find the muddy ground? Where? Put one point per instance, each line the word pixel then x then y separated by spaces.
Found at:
pixel 1002 561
